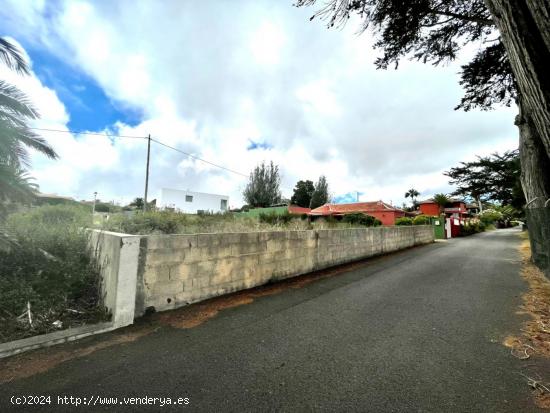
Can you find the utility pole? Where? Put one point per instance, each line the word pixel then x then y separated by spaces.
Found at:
pixel 147 173
pixel 93 207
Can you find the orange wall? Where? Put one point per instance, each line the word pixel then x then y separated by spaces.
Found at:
pixel 387 218
pixel 429 209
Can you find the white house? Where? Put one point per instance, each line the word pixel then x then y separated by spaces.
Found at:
pixel 192 202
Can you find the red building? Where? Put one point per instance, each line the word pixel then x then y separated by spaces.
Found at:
pixel 455 209
pixel 386 213
pixel 455 214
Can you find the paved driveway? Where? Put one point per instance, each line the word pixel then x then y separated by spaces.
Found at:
pixel 420 330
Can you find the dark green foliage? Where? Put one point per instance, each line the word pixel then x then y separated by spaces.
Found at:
pixel 434 31
pixel 413 194
pixel 263 189
pixel 488 80
pixel 403 221
pixel 49 267
pixel 358 218
pixel 302 194
pixel 320 195
pixel 472 228
pixel 490 178
pixel 442 200
pixel 137 203
pixel 102 207
pixel 273 218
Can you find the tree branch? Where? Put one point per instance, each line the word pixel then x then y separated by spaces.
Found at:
pixel 480 20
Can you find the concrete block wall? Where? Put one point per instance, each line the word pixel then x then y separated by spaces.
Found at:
pixel 117 256
pixel 176 270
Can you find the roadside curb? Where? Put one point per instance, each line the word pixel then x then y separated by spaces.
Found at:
pixel 12 348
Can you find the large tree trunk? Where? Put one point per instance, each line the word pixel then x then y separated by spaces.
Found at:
pixel 535 164
pixel 524 26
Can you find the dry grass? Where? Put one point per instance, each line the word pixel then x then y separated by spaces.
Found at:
pixel 535 332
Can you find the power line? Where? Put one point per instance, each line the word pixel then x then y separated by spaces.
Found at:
pixel 90 133
pixel 143 137
pixel 197 158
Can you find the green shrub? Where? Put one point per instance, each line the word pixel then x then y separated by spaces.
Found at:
pixel 102 207
pixel 421 220
pixel 403 221
pixel 490 216
pixel 357 218
pixel 472 227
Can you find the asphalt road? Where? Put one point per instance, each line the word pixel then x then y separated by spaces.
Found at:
pixel 419 330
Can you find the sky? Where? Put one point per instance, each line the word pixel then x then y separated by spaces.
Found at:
pixel 235 83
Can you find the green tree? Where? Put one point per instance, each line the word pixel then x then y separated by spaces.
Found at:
pixel 137 203
pixel 15 135
pixel 442 200
pixel 512 40
pixel 413 194
pixel 320 195
pixel 263 188
pixel 302 193
pixel 490 178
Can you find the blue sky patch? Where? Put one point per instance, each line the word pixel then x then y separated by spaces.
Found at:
pixel 258 145
pixel 88 106
pixel 347 198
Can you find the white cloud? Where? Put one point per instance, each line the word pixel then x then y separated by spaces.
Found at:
pixel 209 78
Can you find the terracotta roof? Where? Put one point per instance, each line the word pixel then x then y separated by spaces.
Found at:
pixel 295 209
pixel 364 207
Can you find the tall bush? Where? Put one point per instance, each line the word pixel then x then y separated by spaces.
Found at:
pixel 403 221
pixel 361 219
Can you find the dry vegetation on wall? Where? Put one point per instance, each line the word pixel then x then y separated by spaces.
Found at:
pixel 169 222
pixel 534 340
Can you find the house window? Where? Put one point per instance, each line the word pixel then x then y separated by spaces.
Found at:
pixel 223 204
pixel 188 198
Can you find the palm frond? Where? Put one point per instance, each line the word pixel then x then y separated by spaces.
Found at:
pixel 15 135
pixel 14 101
pixel 12 57
pixel 15 184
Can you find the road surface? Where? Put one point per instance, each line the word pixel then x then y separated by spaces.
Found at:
pixel 419 330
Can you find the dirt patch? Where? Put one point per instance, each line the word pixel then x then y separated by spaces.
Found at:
pixel 535 332
pixel 31 363
pixel 536 304
pixel 196 314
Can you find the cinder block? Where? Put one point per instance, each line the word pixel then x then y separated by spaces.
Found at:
pixel 248 248
pixel 167 288
pixel 184 271
pixel 163 256
pixel 208 240
pixel 201 282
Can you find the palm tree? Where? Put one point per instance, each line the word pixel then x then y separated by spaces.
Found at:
pixel 442 200
pixel 15 135
pixel 412 193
